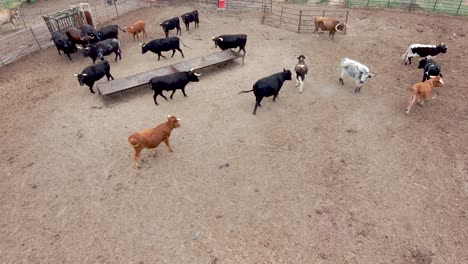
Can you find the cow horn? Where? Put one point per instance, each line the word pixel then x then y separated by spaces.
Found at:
pixel 441 81
pixel 178 119
pixel 372 74
pixel 197 74
pixel 192 69
pixel 76 74
pixel 212 38
pixel 336 27
pixel 221 39
pixel 346 25
pixel 80 48
pixel 84 74
pixel 168 116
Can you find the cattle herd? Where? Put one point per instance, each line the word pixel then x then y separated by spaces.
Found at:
pixel 97 44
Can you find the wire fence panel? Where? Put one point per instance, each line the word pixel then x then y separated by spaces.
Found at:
pixel 299 18
pixel 455 7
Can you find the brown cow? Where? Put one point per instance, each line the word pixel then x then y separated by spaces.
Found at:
pixel 137 28
pixel 328 24
pixel 9 16
pixel 150 138
pixel 420 91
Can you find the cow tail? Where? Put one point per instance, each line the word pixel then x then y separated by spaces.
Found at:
pixel 404 57
pixel 246 91
pixel 184 44
pixel 121 28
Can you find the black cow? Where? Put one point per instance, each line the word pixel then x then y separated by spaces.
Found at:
pixel 225 42
pixel 163 44
pixel 103 48
pixel 268 86
pixel 423 51
pixel 94 73
pixel 431 68
pixel 91 32
pixel 172 82
pixel 63 43
pixel 171 24
pixel 108 32
pixel 190 17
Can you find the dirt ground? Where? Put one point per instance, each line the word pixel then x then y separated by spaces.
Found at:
pixel 326 176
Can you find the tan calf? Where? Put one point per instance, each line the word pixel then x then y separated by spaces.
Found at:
pixel 137 28
pixel 421 91
pixel 150 138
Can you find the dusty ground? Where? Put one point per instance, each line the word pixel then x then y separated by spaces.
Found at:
pixel 326 176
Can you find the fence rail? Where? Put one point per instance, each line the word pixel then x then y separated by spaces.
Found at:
pixel 299 19
pixel 454 7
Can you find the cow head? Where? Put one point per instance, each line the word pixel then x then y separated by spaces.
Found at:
pixel 14 14
pixel 185 17
pixel 193 76
pixel 217 40
pixel 88 51
pixel 165 25
pixel 364 76
pixel 341 26
pixel 144 48
pixel 286 74
pixel 174 121
pixel 81 77
pixel 437 81
pixel 442 47
pixel 301 58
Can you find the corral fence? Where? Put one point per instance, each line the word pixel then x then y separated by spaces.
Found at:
pixel 34 34
pixel 299 19
pixel 454 7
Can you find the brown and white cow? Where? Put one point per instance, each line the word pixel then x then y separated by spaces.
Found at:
pixel 328 24
pixel 301 71
pixel 9 16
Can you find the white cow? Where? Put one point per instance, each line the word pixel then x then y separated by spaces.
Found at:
pixel 9 16
pixel 354 69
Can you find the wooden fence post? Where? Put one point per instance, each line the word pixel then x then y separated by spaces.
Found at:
pixel 435 4
pixel 388 4
pixel 458 9
pixel 117 11
pixel 367 4
pixel 281 16
pixel 300 19
pixel 346 28
pixel 34 35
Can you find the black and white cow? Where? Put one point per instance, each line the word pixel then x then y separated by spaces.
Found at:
pixel 423 51
pixel 103 48
pixel 62 43
pixel 190 17
pixel 301 71
pixel 269 86
pixel 108 32
pixel 163 44
pixel 225 42
pixel 91 32
pixel 94 73
pixel 171 24
pixel 172 82
pixel 356 70
pixel 431 68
